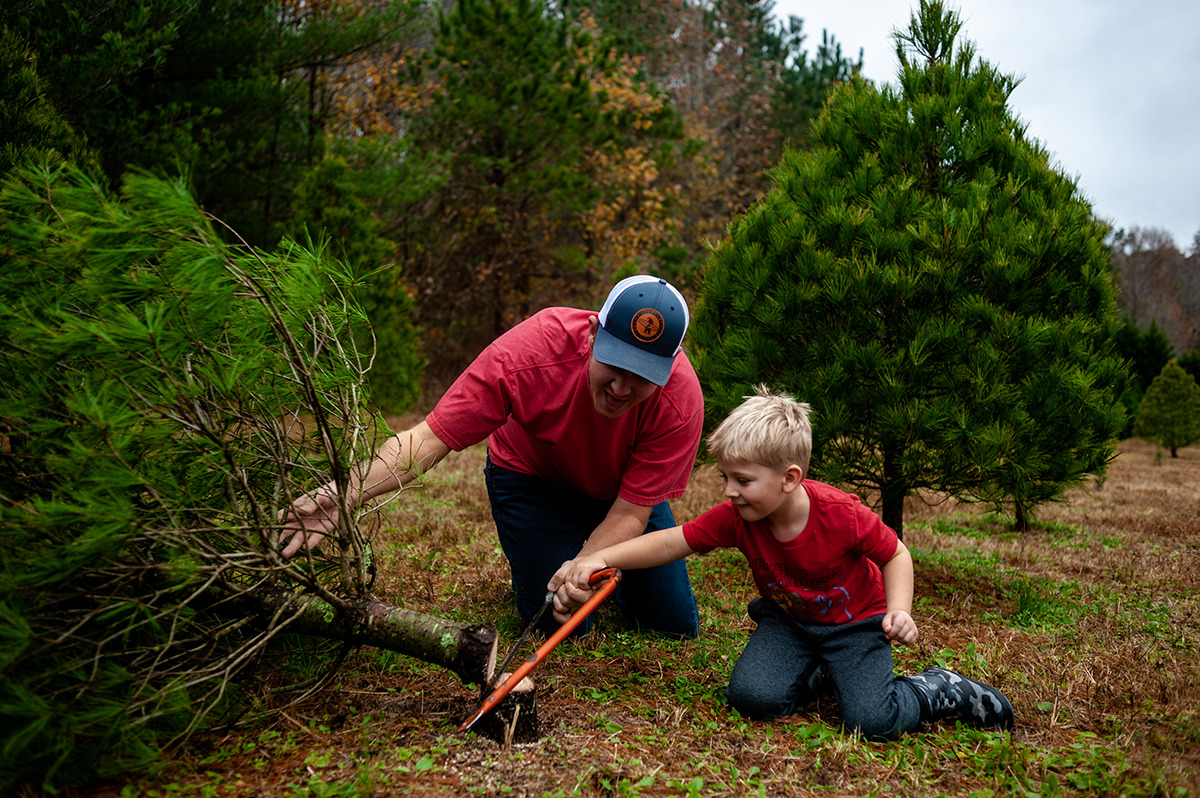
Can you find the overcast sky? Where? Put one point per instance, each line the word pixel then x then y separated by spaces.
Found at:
pixel 1111 88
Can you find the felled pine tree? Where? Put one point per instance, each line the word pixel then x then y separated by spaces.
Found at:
pixel 165 395
pixel 928 282
pixel 1169 413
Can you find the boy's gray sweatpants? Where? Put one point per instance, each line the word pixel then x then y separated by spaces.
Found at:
pixel 771 677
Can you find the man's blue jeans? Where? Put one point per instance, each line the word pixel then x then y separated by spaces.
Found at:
pixel 541 526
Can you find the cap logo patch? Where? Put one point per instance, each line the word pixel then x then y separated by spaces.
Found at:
pixel 647 325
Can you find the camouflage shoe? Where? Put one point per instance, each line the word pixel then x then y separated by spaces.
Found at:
pixel 945 694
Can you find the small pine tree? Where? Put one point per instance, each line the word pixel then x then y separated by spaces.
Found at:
pixel 155 381
pixel 1170 411
pixel 931 285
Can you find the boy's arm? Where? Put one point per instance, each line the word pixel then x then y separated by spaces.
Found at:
pixel 898 624
pixel 570 581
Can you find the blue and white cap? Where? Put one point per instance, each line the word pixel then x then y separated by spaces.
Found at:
pixel 642 325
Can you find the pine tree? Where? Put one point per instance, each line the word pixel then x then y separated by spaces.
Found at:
pixel 1151 353
pixel 1170 411
pixel 29 123
pixel 1190 363
pixel 531 118
pixel 228 92
pixel 1145 352
pixel 329 203
pixel 925 279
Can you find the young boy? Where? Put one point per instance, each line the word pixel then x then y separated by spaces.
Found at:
pixel 836 585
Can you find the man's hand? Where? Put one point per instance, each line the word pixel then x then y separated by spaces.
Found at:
pixel 312 517
pixel 570 585
pixel 900 628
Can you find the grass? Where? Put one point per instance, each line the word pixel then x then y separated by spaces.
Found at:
pixel 1088 622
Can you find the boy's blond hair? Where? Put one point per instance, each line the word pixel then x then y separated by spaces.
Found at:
pixel 770 429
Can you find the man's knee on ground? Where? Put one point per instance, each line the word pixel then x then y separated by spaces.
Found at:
pixel 683 624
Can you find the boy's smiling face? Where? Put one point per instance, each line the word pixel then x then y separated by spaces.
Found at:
pixel 755 489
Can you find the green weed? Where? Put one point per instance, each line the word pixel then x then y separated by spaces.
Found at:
pixel 958 526
pixel 1043 603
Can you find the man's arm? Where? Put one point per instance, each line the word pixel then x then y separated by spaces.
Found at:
pixel 624 521
pixel 399 460
pixel 402 458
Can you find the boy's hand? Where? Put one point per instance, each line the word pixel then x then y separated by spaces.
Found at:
pixel 570 585
pixel 900 628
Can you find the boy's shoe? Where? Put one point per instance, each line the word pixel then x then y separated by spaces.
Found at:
pixel 945 694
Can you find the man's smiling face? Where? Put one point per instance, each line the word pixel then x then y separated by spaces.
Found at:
pixel 615 391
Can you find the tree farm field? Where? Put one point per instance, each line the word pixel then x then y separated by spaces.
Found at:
pixel 1088 622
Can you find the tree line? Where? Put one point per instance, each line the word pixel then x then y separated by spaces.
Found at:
pixel 1159 300
pixel 472 161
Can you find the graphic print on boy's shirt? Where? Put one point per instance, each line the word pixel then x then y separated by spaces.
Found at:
pixel 832 606
pixel 802 595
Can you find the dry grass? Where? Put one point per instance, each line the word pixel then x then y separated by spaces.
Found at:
pixel 1088 623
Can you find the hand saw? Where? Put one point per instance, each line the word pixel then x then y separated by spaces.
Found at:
pixel 610 577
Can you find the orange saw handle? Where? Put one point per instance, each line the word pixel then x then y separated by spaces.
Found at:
pixel 610 576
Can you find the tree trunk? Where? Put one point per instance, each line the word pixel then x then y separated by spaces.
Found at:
pixel 469 651
pixel 1021 519
pixel 892 493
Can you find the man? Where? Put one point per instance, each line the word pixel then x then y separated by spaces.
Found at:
pixel 593 422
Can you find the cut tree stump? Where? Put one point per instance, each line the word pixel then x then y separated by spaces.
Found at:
pixel 515 718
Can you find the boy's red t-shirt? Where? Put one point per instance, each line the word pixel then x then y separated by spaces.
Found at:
pixel 829 573
pixel 529 392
